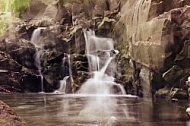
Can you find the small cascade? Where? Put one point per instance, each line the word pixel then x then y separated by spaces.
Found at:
pixel 101 85
pixel 66 73
pixel 35 39
pixel 70 71
pixel 63 86
pixel 97 49
pixel 101 54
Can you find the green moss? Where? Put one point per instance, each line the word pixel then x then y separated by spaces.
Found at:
pixel 2 5
pixel 18 6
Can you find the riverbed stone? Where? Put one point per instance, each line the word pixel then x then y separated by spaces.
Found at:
pixel 8 116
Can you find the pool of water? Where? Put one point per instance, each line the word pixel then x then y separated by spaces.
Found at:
pixel 75 110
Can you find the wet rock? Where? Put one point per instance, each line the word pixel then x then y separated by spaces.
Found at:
pixel 31 82
pixel 113 121
pixel 188 111
pixel 92 115
pixel 163 92
pixel 7 63
pixel 24 31
pixel 8 116
pixel 22 51
pixel 79 68
pixel 172 93
pixel 173 75
pixel 44 22
pixel 53 69
pixel 183 57
pixel 188 85
pixel 178 93
pixel 56 58
pixel 165 41
pixel 10 81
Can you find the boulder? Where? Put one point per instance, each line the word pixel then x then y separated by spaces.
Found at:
pixel 22 51
pixel 8 116
pixel 7 63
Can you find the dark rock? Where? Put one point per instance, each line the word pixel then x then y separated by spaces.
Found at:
pixel 22 51
pixel 7 63
pixel 163 92
pixel 183 58
pixel 10 81
pixel 174 74
pixel 31 82
pixel 178 93
pixel 56 59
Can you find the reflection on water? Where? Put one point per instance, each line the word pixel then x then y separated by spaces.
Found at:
pixel 69 110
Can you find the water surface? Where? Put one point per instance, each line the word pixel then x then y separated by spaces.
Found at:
pixel 70 110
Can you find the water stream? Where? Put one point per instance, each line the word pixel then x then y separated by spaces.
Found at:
pixel 63 86
pixel 35 39
pixel 101 54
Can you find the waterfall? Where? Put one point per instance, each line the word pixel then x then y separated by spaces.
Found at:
pixel 95 47
pixel 66 74
pixel 63 86
pixel 35 40
pixel 101 53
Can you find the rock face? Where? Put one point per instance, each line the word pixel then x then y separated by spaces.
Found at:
pixel 8 117
pixel 158 36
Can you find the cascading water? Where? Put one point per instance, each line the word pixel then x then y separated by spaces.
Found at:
pixel 95 47
pixel 35 39
pixel 100 52
pixel 66 75
pixel 63 85
pixel 101 106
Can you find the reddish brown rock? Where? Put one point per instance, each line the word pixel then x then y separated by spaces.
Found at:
pixel 8 116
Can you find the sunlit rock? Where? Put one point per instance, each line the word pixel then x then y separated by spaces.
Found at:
pixel 8 116
pixel 113 121
pixel 188 111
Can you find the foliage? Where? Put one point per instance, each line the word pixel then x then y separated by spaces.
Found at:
pixel 9 9
pixel 2 5
pixel 18 6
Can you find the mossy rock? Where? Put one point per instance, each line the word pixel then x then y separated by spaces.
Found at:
pixel 163 92
pixel 179 93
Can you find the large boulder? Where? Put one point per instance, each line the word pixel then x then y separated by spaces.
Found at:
pixel 8 116
pixel 11 79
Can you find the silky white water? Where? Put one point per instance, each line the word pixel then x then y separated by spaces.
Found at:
pixel 101 85
pixel 63 85
pixel 101 54
pixel 35 40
